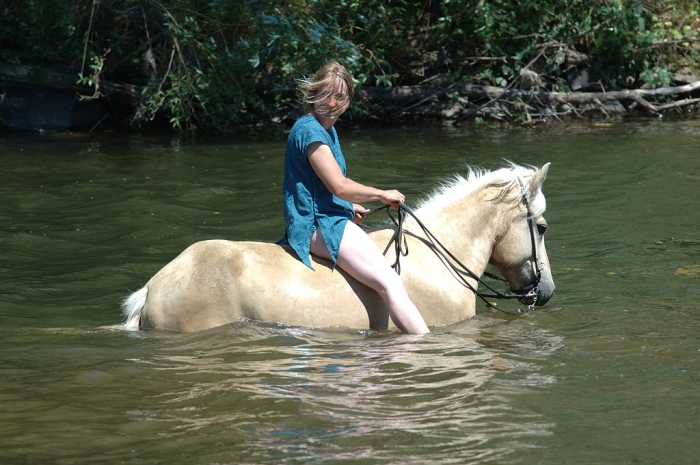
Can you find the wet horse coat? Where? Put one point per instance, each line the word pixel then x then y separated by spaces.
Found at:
pixel 480 218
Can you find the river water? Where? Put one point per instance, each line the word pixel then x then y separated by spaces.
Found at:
pixel 607 372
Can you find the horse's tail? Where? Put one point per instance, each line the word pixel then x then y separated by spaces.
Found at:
pixel 132 307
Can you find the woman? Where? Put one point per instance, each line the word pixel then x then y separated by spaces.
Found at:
pixel 319 213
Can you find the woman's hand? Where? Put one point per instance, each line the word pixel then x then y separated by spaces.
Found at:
pixel 360 212
pixel 392 197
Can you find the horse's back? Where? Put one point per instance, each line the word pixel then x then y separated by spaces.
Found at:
pixel 203 287
pixel 216 282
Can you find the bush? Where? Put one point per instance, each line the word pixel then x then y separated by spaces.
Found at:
pixel 224 64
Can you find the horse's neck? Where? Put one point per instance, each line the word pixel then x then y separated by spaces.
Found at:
pixel 468 228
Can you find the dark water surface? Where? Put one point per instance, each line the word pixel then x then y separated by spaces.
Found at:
pixel 608 372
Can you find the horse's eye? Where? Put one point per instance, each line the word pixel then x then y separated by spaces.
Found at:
pixel 542 228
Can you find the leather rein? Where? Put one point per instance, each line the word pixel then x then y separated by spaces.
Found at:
pixel 461 271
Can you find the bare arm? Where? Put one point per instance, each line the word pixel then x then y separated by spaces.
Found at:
pixel 325 166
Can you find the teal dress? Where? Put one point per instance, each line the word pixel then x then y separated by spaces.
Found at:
pixel 308 204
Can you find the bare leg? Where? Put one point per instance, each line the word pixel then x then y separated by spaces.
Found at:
pixel 360 258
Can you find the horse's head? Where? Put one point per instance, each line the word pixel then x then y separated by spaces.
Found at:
pixel 520 254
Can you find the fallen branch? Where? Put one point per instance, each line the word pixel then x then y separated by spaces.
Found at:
pixel 678 104
pixel 662 43
pixel 411 96
pixel 405 94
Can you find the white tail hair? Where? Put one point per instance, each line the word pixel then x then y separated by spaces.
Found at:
pixel 132 306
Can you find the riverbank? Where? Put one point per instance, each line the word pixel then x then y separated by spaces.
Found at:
pixel 52 101
pixel 55 111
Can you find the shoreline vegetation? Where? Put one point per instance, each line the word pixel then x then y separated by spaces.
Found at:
pixel 222 66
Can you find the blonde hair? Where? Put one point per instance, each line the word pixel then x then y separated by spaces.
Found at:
pixel 312 90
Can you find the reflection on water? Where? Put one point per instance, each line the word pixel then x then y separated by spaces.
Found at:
pixel 304 394
pixel 605 373
pixel 263 393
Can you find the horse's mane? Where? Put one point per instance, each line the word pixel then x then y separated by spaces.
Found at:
pixel 504 180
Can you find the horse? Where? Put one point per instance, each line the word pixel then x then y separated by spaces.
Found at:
pixel 485 217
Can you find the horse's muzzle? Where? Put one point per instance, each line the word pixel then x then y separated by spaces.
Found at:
pixel 534 296
pixel 530 297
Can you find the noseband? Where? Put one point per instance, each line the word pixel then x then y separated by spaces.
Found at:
pixel 456 266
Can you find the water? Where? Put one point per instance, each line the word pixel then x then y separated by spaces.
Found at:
pixel 607 372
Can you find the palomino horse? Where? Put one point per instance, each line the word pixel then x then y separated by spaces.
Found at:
pixel 488 217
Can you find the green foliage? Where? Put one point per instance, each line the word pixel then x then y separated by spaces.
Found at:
pixel 215 63
pixel 284 43
pixel 676 28
pixel 622 38
pixel 96 64
pixel 39 31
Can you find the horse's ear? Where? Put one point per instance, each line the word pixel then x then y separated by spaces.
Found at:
pixel 539 178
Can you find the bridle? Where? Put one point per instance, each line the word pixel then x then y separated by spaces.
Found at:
pixel 531 226
pixel 461 271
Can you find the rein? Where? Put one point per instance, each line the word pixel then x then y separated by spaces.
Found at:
pixel 461 271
